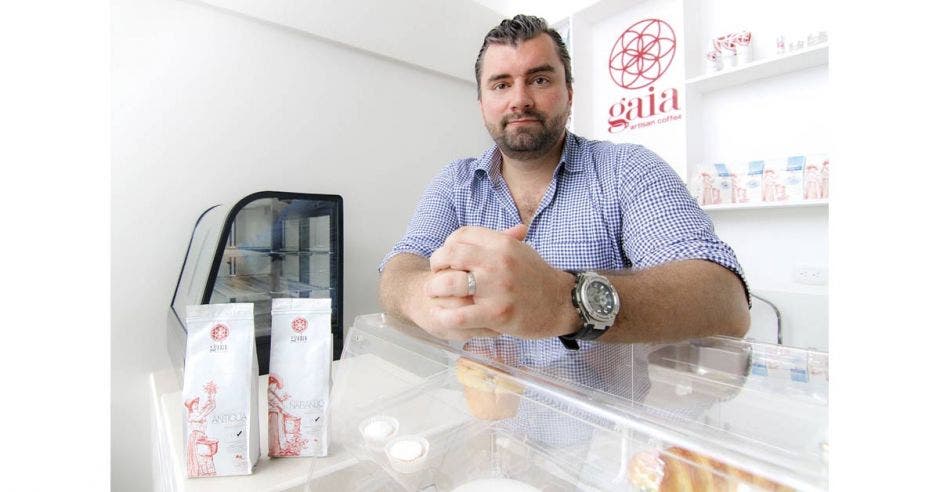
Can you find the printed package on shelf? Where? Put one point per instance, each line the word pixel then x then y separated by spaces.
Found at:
pixel 753 179
pixel 694 185
pixel 299 377
pixel 706 186
pixel 220 390
pixel 738 172
pixel 723 183
pixel 816 177
pixel 793 180
pixel 772 181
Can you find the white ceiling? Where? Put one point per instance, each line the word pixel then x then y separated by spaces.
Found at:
pixel 552 11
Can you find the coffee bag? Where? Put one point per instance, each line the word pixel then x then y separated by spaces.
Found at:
pixel 723 183
pixel 220 390
pixel 299 378
pixel 793 179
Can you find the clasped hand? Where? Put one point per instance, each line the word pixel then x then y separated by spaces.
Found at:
pixel 516 292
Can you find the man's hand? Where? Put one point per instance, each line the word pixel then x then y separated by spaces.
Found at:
pixel 434 320
pixel 402 293
pixel 517 293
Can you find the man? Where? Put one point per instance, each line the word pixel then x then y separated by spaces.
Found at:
pixel 501 244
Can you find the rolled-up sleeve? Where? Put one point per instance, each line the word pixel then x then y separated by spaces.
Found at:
pixel 434 219
pixel 661 220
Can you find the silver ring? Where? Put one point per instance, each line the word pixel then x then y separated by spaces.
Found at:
pixel 471 284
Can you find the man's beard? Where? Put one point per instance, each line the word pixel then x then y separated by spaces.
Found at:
pixel 531 141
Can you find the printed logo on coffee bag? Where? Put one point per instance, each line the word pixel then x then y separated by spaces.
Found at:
pixel 299 324
pixel 218 333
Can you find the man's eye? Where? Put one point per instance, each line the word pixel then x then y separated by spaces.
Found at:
pixel 540 81
pixel 500 86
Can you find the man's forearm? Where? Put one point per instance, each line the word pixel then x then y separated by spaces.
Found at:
pixel 676 301
pixel 400 278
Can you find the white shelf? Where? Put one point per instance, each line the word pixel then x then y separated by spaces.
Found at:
pixel 760 205
pixel 791 62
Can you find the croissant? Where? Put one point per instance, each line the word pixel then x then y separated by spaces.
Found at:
pixel 680 470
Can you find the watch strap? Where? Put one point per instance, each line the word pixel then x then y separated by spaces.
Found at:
pixel 569 343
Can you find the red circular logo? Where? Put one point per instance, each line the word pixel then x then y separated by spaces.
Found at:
pixel 642 53
pixel 219 332
pixel 299 325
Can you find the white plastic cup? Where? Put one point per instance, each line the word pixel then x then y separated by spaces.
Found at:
pixel 377 442
pixel 744 54
pixel 729 59
pixel 407 464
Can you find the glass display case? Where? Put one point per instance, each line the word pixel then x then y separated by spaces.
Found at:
pixel 708 414
pixel 267 245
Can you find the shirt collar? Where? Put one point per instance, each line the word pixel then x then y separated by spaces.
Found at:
pixel 491 159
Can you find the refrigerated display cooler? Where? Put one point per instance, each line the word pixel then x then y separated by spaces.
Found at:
pixel 713 414
pixel 708 414
pixel 268 245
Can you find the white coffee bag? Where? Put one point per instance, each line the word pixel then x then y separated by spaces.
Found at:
pixel 705 186
pixel 299 377
pixel 793 180
pixel 738 170
pixel 723 182
pixel 220 390
pixel 773 180
pixel 753 181
pixel 816 177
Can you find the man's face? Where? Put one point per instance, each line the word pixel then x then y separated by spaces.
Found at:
pixel 523 97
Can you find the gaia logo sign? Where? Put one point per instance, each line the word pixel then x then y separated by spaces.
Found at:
pixel 642 54
pixel 640 57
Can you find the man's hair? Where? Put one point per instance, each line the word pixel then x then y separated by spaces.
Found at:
pixel 518 29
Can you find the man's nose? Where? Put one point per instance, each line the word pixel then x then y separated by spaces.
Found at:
pixel 521 99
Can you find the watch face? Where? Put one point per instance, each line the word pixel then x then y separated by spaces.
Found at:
pixel 599 299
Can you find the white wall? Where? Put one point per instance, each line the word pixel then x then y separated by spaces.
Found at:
pixel 769 244
pixel 425 33
pixel 209 106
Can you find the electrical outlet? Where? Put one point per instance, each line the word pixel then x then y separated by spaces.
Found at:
pixel 811 275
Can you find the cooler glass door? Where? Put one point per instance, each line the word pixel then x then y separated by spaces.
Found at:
pixel 276 245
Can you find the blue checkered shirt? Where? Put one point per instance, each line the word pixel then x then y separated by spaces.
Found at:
pixel 608 207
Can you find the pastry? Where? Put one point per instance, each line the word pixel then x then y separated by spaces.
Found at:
pixel 680 470
pixel 490 394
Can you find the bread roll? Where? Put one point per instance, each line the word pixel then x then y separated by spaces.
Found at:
pixel 680 470
pixel 490 394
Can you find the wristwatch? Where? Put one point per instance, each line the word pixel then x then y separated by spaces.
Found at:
pixel 597 302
